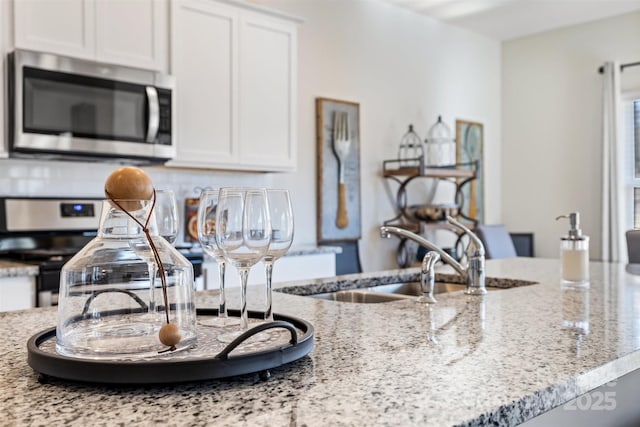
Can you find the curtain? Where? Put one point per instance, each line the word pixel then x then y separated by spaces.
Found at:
pixel 613 244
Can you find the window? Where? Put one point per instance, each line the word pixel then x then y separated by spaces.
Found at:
pixel 631 110
pixel 635 137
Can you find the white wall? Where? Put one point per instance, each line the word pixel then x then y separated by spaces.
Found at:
pixel 399 66
pixel 551 126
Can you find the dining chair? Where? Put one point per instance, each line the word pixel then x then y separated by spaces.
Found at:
pixel 348 260
pixel 497 241
pixel 633 246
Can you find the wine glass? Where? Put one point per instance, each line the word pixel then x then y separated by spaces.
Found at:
pixel 243 232
pixel 281 215
pixel 207 208
pixel 166 210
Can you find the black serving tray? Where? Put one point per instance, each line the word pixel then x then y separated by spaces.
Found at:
pixel 291 339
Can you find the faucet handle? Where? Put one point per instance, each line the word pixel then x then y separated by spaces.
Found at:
pixel 427 278
pixel 472 236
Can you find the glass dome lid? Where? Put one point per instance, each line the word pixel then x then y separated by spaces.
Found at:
pixel 115 300
pixel 440 145
pixel 439 132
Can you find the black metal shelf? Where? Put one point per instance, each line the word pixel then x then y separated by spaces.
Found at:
pixel 419 218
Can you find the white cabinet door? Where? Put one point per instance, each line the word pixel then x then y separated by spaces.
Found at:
pixel 287 268
pixel 267 90
pixel 64 27
pixel 204 64
pixel 235 71
pixel 5 33
pixel 123 32
pixel 132 32
pixel 17 293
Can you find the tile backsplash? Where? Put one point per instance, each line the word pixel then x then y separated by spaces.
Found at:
pixel 53 178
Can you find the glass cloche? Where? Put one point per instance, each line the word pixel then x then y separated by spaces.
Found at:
pixel 112 301
pixel 440 145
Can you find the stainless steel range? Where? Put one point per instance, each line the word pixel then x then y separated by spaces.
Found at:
pixel 47 232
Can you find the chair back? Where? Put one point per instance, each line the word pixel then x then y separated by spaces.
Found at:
pixel 633 246
pixel 497 241
pixel 347 261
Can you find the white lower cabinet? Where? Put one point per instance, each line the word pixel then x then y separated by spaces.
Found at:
pixel 612 404
pixel 17 293
pixel 294 267
pixel 235 70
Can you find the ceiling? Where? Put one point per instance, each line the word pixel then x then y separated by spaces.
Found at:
pixel 510 19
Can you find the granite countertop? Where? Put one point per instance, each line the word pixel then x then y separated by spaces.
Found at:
pixel 15 269
pixel 497 359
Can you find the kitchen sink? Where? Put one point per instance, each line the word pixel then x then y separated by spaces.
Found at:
pixel 359 296
pixel 409 290
pixel 414 289
pixel 387 293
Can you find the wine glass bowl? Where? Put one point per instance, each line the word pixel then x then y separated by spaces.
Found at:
pixel 206 222
pixel 243 233
pixel 166 213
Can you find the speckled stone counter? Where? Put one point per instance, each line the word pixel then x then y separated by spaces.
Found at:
pixel 14 269
pixel 493 360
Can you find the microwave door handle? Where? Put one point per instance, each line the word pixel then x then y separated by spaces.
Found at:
pixel 153 120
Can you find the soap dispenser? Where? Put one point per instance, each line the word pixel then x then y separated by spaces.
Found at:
pixel 574 253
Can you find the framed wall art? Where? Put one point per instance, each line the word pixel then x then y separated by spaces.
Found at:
pixel 469 147
pixel 338 170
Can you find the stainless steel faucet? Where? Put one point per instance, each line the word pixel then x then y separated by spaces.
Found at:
pixel 473 274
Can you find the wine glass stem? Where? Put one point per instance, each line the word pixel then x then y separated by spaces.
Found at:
pixel 152 286
pixel 244 277
pixel 222 312
pixel 268 314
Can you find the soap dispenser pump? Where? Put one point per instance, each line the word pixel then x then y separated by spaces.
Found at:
pixel 574 253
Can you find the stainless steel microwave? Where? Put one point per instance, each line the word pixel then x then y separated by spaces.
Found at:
pixel 63 107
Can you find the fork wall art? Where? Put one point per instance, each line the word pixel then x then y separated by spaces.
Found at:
pixel 338 167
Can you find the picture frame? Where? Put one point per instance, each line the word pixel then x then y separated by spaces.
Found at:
pixel 469 148
pixel 338 206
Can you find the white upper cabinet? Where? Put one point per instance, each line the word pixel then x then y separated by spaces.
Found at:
pixel 235 69
pixel 64 27
pixel 132 32
pixel 204 64
pixel 5 33
pixel 267 91
pixel 123 32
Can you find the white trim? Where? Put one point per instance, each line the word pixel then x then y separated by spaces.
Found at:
pixel 631 182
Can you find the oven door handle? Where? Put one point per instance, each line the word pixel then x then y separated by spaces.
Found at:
pixel 153 120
